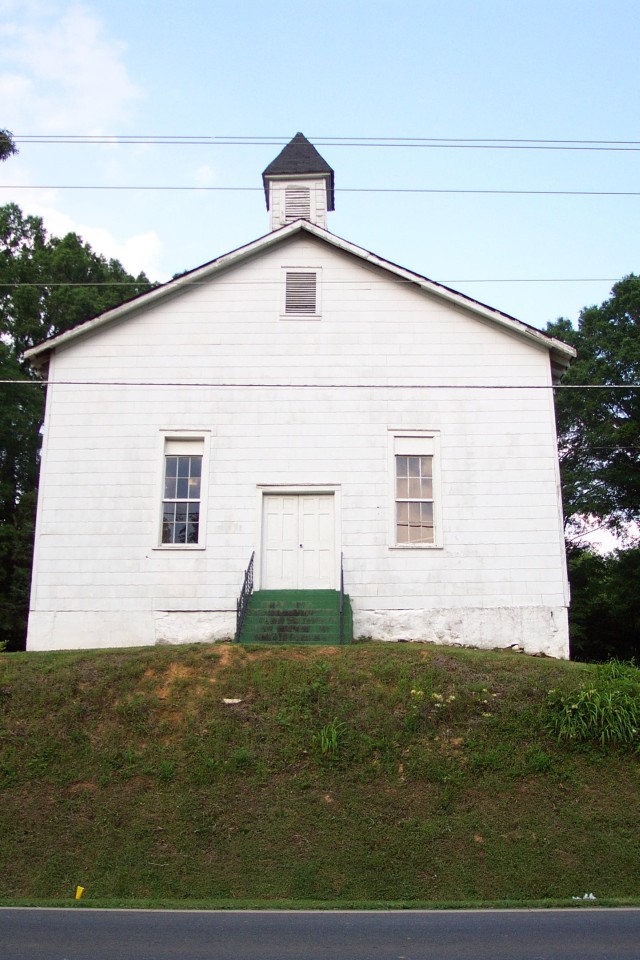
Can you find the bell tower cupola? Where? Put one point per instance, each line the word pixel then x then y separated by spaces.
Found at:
pixel 298 185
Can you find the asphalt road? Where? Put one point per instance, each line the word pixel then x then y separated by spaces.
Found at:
pixel 86 934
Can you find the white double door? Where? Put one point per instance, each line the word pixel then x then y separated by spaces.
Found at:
pixel 298 542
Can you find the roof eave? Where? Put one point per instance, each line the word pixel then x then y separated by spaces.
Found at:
pixel 168 289
pixel 561 353
pixel 562 350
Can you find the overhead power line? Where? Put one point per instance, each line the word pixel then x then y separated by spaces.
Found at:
pixel 413 190
pixel 442 143
pixel 321 386
pixel 325 282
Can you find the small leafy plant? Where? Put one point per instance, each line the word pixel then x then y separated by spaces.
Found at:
pixel 605 712
pixel 327 740
pixel 420 707
pixel 414 710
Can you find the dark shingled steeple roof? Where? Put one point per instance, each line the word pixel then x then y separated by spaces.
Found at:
pixel 299 157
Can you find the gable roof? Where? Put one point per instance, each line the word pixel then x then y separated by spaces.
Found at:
pixel 300 158
pixel 561 353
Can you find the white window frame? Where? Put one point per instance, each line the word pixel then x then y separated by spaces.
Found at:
pixel 406 442
pixel 304 317
pixel 188 437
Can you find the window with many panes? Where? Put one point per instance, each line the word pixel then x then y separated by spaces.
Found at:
pixel 182 492
pixel 414 499
pixel 415 491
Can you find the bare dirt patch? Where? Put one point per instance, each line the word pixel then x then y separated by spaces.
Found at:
pixel 85 786
pixel 225 654
pixel 175 671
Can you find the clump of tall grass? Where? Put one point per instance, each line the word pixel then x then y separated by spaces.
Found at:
pixel 328 740
pixel 604 711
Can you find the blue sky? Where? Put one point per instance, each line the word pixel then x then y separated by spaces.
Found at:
pixel 350 69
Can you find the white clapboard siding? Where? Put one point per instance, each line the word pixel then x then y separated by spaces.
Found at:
pixel 293 199
pixel 300 404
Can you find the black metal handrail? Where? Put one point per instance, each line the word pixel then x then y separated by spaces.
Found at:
pixel 341 601
pixel 243 600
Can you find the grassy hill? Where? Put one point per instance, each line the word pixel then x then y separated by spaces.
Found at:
pixel 372 772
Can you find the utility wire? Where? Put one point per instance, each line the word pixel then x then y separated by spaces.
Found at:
pixel 446 143
pixel 345 283
pixel 145 187
pixel 237 138
pixel 321 386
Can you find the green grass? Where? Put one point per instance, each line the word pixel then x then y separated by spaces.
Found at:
pixel 605 710
pixel 365 775
pixel 186 904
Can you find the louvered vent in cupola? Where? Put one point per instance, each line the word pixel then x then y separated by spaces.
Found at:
pixel 297 201
pixel 301 292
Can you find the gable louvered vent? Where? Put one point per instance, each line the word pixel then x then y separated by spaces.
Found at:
pixel 300 293
pixel 297 201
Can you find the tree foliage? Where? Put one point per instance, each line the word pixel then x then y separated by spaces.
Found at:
pixel 599 429
pixel 604 617
pixel 599 444
pixel 47 285
pixel 7 145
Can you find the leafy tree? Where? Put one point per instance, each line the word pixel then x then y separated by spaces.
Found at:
pixel 599 429
pixel 604 617
pixel 47 285
pixel 7 145
pixel 599 442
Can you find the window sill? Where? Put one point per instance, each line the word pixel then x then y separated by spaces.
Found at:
pixel 416 546
pixel 179 547
pixel 301 316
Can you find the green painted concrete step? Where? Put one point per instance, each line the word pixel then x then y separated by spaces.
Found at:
pixel 296 616
pixel 318 598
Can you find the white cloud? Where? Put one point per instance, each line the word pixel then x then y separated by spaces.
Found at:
pixel 61 72
pixel 138 252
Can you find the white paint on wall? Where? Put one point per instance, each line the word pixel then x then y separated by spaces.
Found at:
pixel 202 626
pixel 326 396
pixel 278 207
pixel 89 629
pixel 542 630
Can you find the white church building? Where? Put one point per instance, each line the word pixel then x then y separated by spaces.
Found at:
pixel 307 402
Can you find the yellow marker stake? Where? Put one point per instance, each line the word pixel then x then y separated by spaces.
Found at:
pixel 79 892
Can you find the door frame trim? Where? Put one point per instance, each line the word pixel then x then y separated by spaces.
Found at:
pixel 296 490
